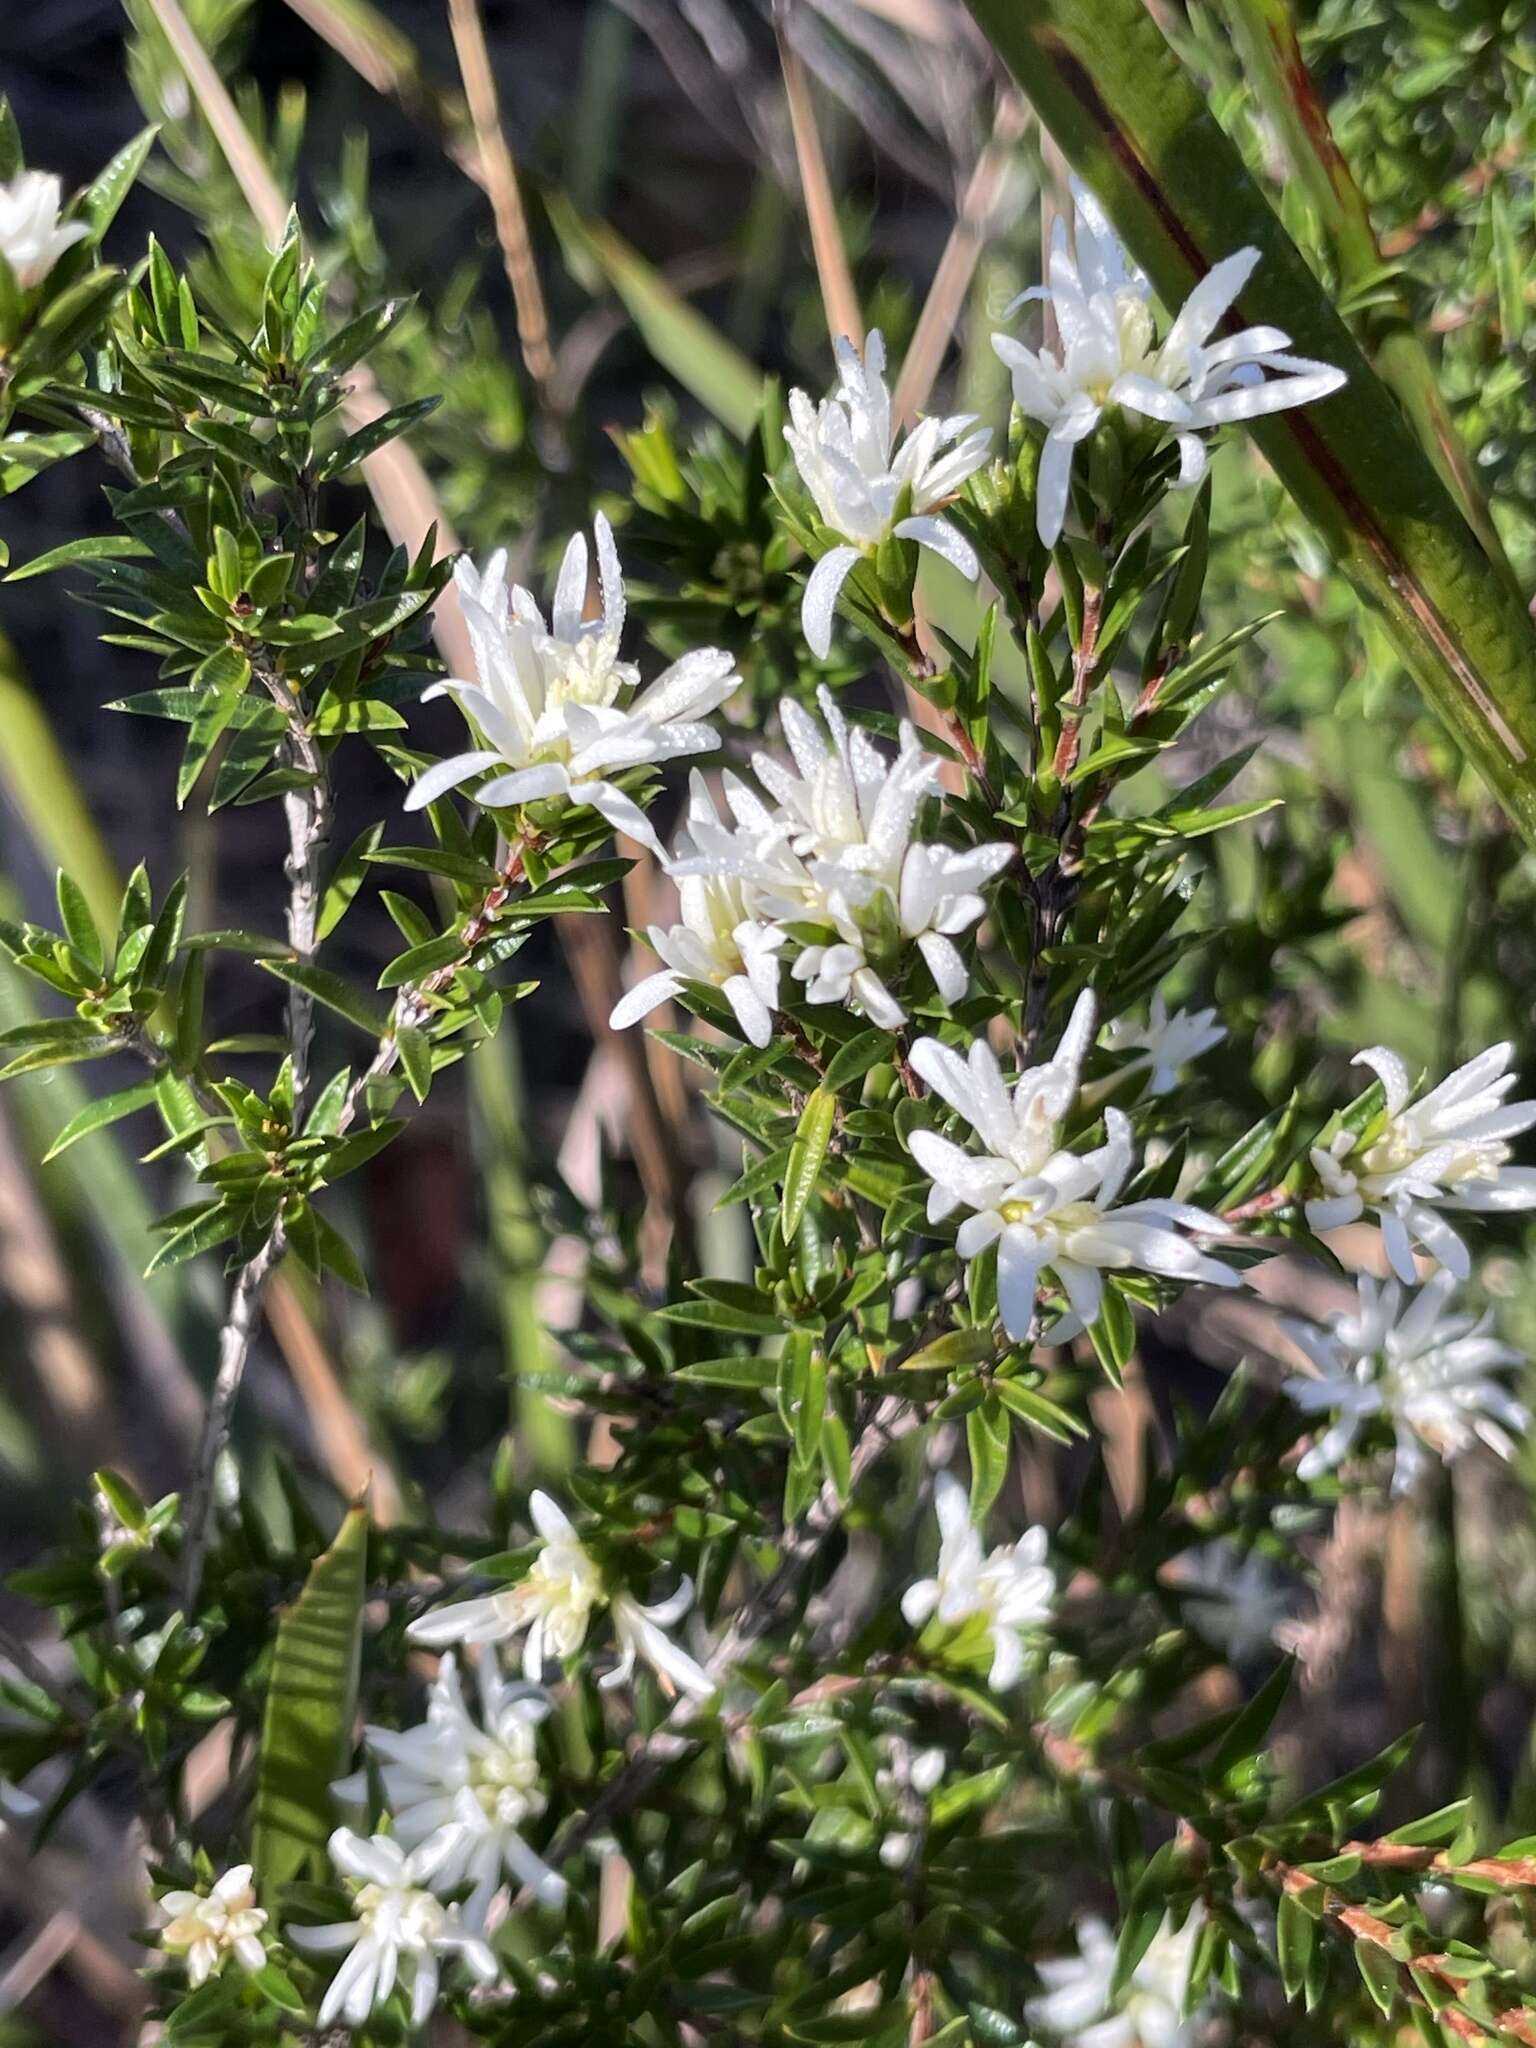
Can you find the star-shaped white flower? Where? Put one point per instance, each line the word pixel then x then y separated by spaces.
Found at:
pixel 552 1605
pixel 462 1789
pixel 865 488
pixel 207 1928
pixel 1166 1043
pixel 1077 2005
pixel 1430 1374
pixel 1234 1599
pixel 1448 1150
pixel 551 701
pixel 401 1933
pixel 1048 1210
pixel 1109 356
pixel 839 851
pixel 32 237
pixel 718 941
pixel 1013 1587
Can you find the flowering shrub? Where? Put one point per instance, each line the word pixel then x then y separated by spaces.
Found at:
pixel 763 1729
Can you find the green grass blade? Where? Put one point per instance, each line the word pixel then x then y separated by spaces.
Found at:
pixel 709 367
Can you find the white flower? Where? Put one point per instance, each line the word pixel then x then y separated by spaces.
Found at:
pixel 719 941
pixel 1165 1043
pixel 1431 1375
pixel 399 1934
pixel 1047 1210
pixel 547 697
pixel 462 1790
pixel 1013 1588
pixel 207 1928
pixel 1235 1599
pixel 1446 1151
pixel 865 491
pixel 31 237
pixel 553 1603
pixel 642 1632
pixel 1109 356
pixel 839 852
pixel 1076 2004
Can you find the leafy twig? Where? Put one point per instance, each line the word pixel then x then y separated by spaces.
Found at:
pixel 893 1418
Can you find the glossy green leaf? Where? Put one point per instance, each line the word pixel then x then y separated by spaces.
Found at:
pixel 306 1729
pixel 807 1154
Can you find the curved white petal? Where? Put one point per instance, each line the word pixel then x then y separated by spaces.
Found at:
pixel 820 601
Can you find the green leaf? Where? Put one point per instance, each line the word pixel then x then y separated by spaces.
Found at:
pixel 807 1154
pixel 120 1497
pixel 11 157
pixel 214 1223
pixel 106 1109
pixel 346 879
pixel 335 993
pixel 415 1058
pixel 352 342
pixel 1249 1731
pixel 720 1315
pixel 987 1436
pixel 1378 1973
pixel 437 860
pixel 306 1730
pixel 355 714
pixel 94 547
pixel 377 434
pixel 100 200
pixel 73 317
pixel 79 925
pixel 443 950
pixel 1295 1936
pixel 747 1375
pixel 23 456
pixel 851 1062
pixel 219 683
pixel 1435 1828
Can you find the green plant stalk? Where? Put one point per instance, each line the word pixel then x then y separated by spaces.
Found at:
pixel 1134 126
pixel 1265 34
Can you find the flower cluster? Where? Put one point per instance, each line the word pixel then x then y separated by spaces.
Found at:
pixel 552 702
pixel 868 491
pixel 1431 1375
pixel 462 1790
pixel 551 1606
pixel 836 861
pixel 1048 1209
pixel 207 1928
pixel 400 1932
pixel 1010 1589
pixel 1109 356
pixel 1448 1149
